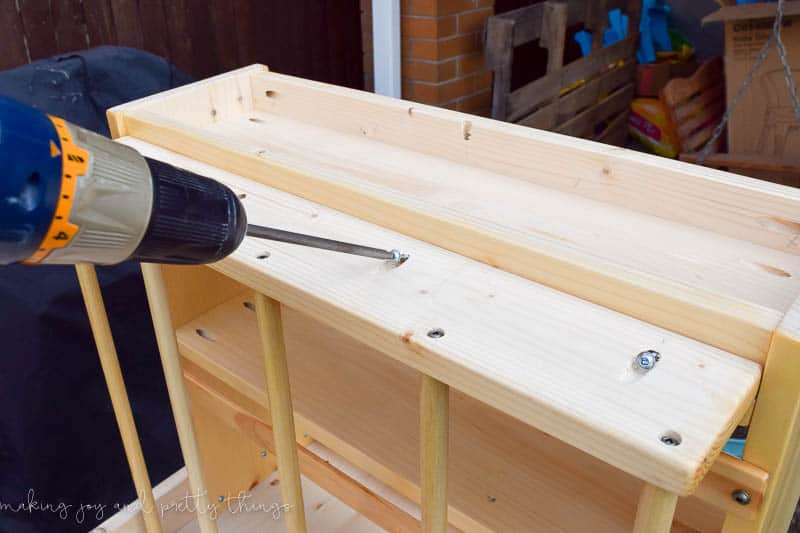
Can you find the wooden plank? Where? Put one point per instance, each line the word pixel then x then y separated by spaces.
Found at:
pixel 38 23
pixel 434 431
pixel 728 476
pixel 222 13
pixel 552 386
pixel 352 390
pixel 346 488
pixel 99 22
pixel 747 161
pixel 773 441
pixel 155 27
pixel 181 411
pixel 525 99
pixel 270 327
pixel 499 55
pixel 651 291
pixel 584 124
pixel 70 25
pixel 764 214
pixel 655 512
pixel 127 24
pixel 616 131
pixel 101 330
pixel 708 75
pixel 525 21
pixel 554 34
pixel 584 96
pixel 14 49
pixel 686 110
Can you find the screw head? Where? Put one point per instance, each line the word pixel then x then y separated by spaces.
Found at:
pixel 436 333
pixel 221 499
pixel 263 453
pixel 647 360
pixel 741 496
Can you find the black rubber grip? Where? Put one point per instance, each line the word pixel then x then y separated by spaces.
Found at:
pixel 195 220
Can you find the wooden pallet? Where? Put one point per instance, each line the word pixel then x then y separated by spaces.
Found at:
pixel 589 97
pixel 548 263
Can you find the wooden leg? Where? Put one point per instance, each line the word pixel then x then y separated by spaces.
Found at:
pixel 93 299
pixel 173 374
pixel 434 429
pixel 270 327
pixel 773 441
pixel 655 511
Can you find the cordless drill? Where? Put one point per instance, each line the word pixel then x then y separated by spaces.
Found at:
pixel 72 196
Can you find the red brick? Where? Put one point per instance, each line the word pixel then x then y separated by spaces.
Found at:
pixel 428 27
pixel 475 102
pixel 473 21
pixel 436 93
pixel 483 80
pixel 441 7
pixel 438 49
pixel 430 71
pixel 471 63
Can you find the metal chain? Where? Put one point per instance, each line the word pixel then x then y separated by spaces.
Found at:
pixel 762 56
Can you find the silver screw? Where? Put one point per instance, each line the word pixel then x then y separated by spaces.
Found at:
pixel 263 453
pixel 741 496
pixel 647 360
pixel 221 499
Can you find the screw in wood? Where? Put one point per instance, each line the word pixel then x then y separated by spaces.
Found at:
pixel 741 496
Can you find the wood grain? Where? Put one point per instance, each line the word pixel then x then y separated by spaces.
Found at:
pixel 434 431
pixel 518 350
pixel 655 511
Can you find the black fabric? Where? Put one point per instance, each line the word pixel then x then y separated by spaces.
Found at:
pixel 59 443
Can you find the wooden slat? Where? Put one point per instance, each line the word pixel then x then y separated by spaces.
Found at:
pixel 99 22
pixel 655 512
pixel 434 432
pixel 70 25
pixel 680 90
pixel 127 24
pixel 348 490
pixel 525 99
pixel 499 54
pixel 362 187
pixel 616 131
pixel 686 110
pixel 773 441
pixel 38 23
pixel 758 10
pixel 582 97
pixel 344 392
pixel 747 161
pixel 155 27
pixel 535 377
pixel 14 51
pixel 584 124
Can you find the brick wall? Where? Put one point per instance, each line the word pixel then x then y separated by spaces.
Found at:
pixel 443 53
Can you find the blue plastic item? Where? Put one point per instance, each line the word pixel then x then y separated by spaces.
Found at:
pixel 30 150
pixel 734 447
pixel 617 30
pixel 654 35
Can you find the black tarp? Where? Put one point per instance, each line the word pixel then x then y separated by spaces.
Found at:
pixel 59 444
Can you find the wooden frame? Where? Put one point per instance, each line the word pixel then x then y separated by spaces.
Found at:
pixel 544 391
pixel 589 97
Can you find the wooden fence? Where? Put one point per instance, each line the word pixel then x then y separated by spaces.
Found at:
pixel 317 39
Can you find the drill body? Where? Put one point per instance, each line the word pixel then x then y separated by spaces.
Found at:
pixel 71 196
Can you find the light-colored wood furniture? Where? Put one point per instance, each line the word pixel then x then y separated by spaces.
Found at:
pixel 502 358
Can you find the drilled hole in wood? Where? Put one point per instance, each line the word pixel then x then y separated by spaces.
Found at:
pixel 671 438
pixel 241 196
pixel 410 111
pixel 466 129
pixel 213 112
pixel 255 119
pixel 270 93
pixel 249 305
pixel 203 333
pixel 263 255
pixel 436 333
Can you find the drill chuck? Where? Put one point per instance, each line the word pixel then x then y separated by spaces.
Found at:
pixel 72 196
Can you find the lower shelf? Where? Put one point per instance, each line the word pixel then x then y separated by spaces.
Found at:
pixel 504 475
pixel 258 510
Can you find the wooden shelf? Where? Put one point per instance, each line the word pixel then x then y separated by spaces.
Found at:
pixel 363 406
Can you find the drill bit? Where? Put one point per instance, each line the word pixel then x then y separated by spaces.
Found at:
pixel 262 232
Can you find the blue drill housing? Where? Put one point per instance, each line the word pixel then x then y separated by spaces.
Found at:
pixel 30 181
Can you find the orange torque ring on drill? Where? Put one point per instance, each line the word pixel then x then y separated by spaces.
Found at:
pixel 74 163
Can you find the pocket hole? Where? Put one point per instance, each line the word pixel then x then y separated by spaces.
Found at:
pixel 249 305
pixel 241 196
pixel 270 93
pixel 263 256
pixel 203 333
pixel 671 438
pixel 254 119
pixel 436 333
